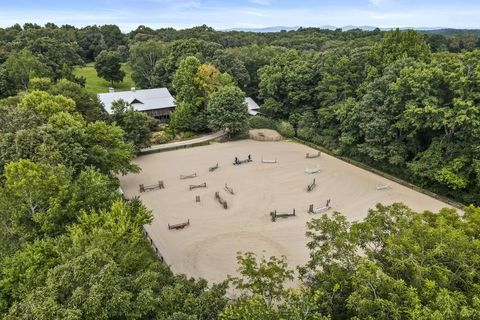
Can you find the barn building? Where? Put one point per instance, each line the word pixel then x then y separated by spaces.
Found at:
pixel 157 103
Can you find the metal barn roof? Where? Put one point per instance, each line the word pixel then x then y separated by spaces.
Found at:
pixel 253 107
pixel 141 100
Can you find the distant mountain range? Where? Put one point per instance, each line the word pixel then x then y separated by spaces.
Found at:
pixel 350 27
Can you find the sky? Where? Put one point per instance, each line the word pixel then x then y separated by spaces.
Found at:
pixel 128 14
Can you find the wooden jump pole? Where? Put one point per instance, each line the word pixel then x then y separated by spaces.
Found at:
pixel 178 225
pixel 188 176
pixel 144 188
pixel 276 215
pixel 239 162
pixel 222 201
pixel 196 186
pixel 228 189
pixel 215 167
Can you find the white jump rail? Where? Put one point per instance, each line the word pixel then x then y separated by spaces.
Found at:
pixel 269 160
pixel 383 187
pixel 312 170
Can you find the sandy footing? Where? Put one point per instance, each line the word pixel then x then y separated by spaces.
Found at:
pixel 208 247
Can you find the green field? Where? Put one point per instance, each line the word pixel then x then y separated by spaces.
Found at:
pixel 98 85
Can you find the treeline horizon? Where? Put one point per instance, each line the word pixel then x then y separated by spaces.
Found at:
pixel 354 92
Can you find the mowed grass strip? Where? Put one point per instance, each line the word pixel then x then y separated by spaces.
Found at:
pixel 96 85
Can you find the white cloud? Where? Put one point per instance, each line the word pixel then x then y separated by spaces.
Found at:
pixel 377 2
pixel 261 2
pixel 170 13
pixel 252 13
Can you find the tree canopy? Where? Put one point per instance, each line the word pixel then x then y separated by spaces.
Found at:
pixel 108 66
pixel 227 109
pixel 405 102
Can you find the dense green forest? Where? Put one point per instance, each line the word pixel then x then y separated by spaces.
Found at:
pixel 401 101
pixel 404 102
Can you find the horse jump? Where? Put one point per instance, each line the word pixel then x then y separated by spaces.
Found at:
pixel 327 207
pixel 239 162
pixel 228 189
pixel 188 176
pixel 383 187
pixel 222 201
pixel 311 186
pixel 195 186
pixel 269 161
pixel 178 225
pixel 276 215
pixel 312 156
pixel 215 167
pixel 144 188
pixel 312 170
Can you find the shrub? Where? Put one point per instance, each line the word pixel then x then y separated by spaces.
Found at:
pixel 285 129
pixel 185 135
pixel 161 137
pixel 261 123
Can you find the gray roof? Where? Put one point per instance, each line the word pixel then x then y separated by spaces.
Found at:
pixel 253 107
pixel 141 100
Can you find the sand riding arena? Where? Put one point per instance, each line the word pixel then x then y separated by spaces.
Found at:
pixel 212 201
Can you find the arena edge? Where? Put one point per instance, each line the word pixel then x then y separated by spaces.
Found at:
pixel 361 165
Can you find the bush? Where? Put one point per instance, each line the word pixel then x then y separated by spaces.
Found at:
pixel 161 137
pixel 262 123
pixel 241 136
pixel 285 129
pixel 185 135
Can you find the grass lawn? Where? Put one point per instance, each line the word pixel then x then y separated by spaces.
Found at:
pixel 98 85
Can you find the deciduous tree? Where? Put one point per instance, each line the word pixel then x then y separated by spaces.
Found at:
pixel 227 109
pixel 108 67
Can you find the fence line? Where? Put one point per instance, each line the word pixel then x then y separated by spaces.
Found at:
pixel 202 141
pixel 152 244
pixel 404 183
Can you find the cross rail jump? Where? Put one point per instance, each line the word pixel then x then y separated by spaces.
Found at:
pixel 274 215
pixel 178 226
pixel 311 186
pixel 215 167
pixel 325 208
pixel 188 176
pixel 239 162
pixel 196 186
pixel 228 189
pixel 312 156
pixel 222 201
pixel 144 188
